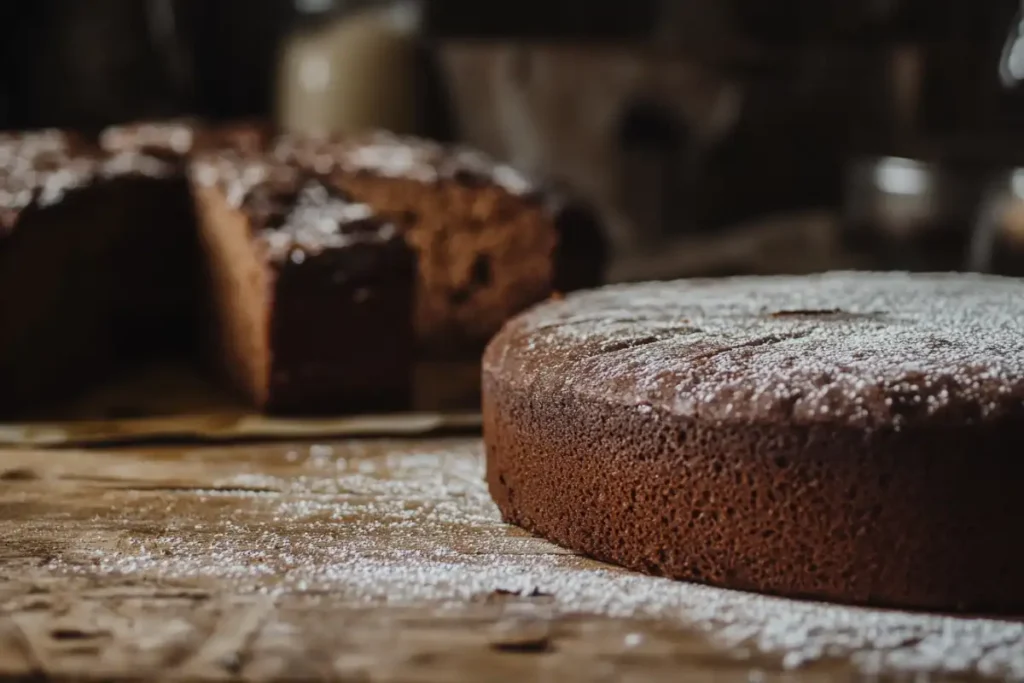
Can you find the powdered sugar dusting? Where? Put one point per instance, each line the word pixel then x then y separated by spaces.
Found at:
pixel 411 525
pixel 321 219
pixel 301 214
pixel 176 135
pixel 861 348
pixel 46 166
pixel 393 156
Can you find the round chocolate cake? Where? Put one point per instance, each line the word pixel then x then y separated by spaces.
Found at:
pixel 856 437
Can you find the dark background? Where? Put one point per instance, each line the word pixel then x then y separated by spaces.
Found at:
pixel 89 64
pixel 817 78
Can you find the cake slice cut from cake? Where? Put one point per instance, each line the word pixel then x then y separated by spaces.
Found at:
pixel 489 242
pixel 312 293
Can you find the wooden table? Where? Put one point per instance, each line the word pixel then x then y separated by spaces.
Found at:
pixel 384 560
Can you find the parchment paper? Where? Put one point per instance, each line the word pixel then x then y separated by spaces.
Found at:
pixel 172 401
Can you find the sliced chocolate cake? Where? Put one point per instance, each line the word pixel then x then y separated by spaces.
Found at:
pixel 327 266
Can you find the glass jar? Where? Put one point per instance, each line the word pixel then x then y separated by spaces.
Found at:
pixel 349 67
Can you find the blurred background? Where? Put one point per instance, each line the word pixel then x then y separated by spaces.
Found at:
pixel 713 136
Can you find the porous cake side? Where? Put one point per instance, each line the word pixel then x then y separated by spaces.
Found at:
pixel 856 437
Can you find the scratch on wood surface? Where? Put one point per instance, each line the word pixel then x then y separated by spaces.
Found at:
pixel 225 650
pixel 17 656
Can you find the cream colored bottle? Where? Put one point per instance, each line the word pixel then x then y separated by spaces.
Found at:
pixel 347 72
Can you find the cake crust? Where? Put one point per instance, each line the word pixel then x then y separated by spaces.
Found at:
pixel 849 437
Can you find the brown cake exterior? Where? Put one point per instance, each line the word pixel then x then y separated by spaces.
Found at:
pixel 849 437
pixel 312 292
pixel 489 242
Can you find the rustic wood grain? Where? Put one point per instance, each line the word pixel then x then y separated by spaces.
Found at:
pixel 383 561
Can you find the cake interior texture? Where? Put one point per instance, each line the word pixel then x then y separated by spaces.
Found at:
pixel 104 264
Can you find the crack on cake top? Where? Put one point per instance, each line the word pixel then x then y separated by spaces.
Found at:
pixel 864 349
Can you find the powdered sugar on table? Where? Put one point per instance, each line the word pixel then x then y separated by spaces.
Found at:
pixel 403 523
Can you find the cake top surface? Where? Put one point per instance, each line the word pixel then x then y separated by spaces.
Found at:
pixel 294 210
pixel 45 141
pixel 181 137
pixel 394 156
pixel 173 135
pixel 862 349
pixel 238 174
pixel 41 168
pixel 305 219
